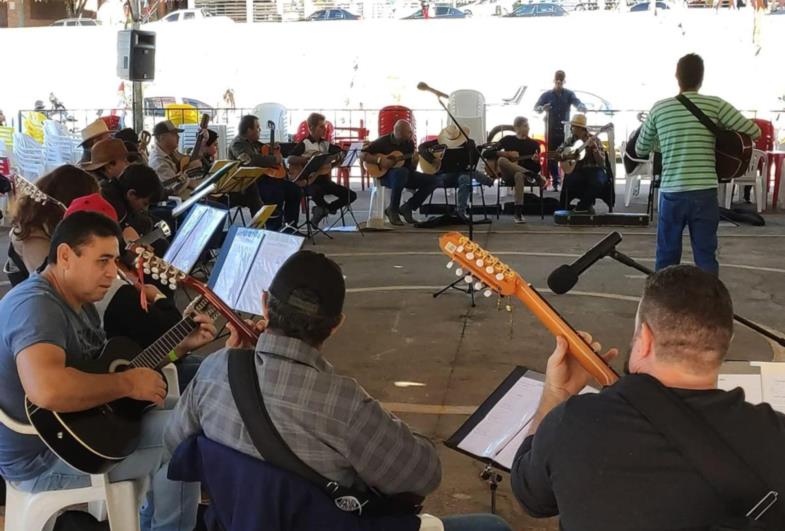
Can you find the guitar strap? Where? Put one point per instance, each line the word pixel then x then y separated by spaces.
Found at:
pixel 244 384
pixel 699 114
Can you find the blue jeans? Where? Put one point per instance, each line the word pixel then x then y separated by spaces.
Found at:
pixel 169 505
pixel 397 179
pixel 697 210
pixel 475 522
pixel 463 181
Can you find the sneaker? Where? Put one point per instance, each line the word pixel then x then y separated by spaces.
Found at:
pixel 519 219
pixel 317 215
pixel 406 212
pixel 393 217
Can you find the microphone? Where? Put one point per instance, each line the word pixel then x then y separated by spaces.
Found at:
pixel 564 277
pixel 422 85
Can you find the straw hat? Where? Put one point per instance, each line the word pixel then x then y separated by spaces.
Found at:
pixel 579 120
pixel 451 136
pixel 104 152
pixel 95 129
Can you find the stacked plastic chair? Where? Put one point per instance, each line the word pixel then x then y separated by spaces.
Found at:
pixel 391 114
pixel 276 113
pixel 28 157
pixel 60 147
pixel 302 131
pixel 188 138
pixel 468 107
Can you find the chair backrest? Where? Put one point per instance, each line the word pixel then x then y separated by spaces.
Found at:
pixel 765 141
pixel 248 493
pixel 276 113
pixel 181 113
pixel 33 125
pixel 302 131
pixel 468 107
pixel 188 138
pixel 391 114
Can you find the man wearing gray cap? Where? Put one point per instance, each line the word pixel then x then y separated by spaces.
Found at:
pixel 165 160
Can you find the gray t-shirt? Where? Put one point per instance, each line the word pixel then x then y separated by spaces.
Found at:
pixel 33 312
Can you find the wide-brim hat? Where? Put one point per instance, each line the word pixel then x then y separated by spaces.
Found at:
pixel 579 120
pixel 93 130
pixel 451 136
pixel 104 152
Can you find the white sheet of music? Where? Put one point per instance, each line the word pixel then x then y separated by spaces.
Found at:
pixel 751 383
pixel 772 383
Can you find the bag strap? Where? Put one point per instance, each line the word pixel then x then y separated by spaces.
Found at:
pixel 699 114
pixel 244 383
pixel 736 483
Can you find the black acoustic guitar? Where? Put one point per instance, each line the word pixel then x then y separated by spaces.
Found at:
pixel 96 439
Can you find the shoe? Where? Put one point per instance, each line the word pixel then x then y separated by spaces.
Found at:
pixel 555 187
pixel 406 212
pixel 519 219
pixel 463 214
pixel 393 217
pixel 317 215
pixel 581 209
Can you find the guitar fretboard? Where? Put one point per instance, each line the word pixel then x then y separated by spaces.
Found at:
pixel 156 354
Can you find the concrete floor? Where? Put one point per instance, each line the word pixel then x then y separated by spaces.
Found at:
pixel 397 332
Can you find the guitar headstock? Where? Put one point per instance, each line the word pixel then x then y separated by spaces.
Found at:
pixel 158 268
pixel 201 305
pixel 24 188
pixel 477 265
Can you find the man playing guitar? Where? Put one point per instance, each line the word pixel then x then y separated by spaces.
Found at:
pixel 399 174
pixel 517 162
pixel 584 177
pixel 320 184
pixel 165 160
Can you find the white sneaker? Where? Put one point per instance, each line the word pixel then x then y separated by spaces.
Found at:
pixel 519 219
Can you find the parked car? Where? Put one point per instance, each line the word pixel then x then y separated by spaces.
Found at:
pixel 331 14
pixel 644 6
pixel 190 15
pixel 438 12
pixel 539 10
pixel 76 22
pixel 488 8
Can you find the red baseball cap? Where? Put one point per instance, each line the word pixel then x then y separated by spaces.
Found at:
pixel 92 203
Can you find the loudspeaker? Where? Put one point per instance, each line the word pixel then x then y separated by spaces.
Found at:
pixel 136 55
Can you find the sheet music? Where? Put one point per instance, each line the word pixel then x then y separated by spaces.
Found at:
pixel 773 384
pixel 193 235
pixel 750 383
pixel 245 245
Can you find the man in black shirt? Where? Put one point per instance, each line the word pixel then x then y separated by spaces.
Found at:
pixel 518 163
pixel 396 179
pixel 602 466
pixel 457 167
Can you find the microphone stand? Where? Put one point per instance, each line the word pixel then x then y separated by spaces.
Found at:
pixel 626 260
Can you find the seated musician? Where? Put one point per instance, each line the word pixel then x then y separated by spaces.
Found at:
pixel 600 464
pixel 328 420
pixel 518 163
pixel 322 184
pixel 91 135
pixel 270 191
pixel 48 322
pixel 131 195
pixel 588 179
pixel 396 179
pixel 131 141
pixel 209 151
pixel 165 160
pixel 108 159
pixel 34 222
pixel 457 168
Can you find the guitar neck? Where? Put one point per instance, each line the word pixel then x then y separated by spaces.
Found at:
pixel 157 354
pixel 247 333
pixel 556 324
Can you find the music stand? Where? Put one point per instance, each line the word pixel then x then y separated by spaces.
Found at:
pixel 260 218
pixel 217 171
pixel 247 263
pixel 312 166
pixel 237 182
pixel 193 236
pixel 195 198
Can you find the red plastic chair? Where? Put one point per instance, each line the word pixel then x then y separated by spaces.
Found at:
pixel 391 114
pixel 112 122
pixel 5 167
pixel 348 136
pixel 303 132
pixel 765 141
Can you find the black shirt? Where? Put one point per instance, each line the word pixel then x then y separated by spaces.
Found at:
pixel 384 145
pixel 601 466
pixel 524 147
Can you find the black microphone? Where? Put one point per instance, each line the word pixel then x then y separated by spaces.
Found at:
pixel 422 85
pixel 564 277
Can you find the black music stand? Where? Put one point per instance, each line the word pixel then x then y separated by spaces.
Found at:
pixel 313 165
pixel 237 182
pixel 193 236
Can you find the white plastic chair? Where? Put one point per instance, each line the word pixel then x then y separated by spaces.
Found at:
pixel 60 147
pixel 645 168
pixel 276 113
pixel 188 138
pixel 25 511
pixel 376 207
pixel 753 177
pixel 28 156
pixel 468 107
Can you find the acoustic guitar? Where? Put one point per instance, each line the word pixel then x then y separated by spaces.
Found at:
pixel 196 152
pixel 279 170
pixel 432 168
pixel 487 272
pixel 569 156
pixel 295 168
pixel 376 171
pixel 96 439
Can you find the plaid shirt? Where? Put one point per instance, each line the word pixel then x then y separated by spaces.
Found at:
pixel 328 420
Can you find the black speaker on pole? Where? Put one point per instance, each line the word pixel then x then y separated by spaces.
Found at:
pixel 136 55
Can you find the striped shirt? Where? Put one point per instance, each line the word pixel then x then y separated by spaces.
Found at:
pixel 687 146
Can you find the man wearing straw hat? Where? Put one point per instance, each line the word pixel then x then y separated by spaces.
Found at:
pixel 91 135
pixel 587 180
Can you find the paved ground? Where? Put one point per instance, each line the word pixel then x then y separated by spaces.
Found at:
pixel 397 332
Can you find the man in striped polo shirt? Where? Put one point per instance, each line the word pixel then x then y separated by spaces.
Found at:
pixel 688 191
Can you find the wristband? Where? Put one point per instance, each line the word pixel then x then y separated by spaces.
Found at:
pixel 378 161
pixel 172 356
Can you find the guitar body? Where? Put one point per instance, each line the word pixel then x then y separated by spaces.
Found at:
pixel 377 172
pixel 733 154
pixel 432 168
pixel 95 440
pixel 568 166
pixel 278 171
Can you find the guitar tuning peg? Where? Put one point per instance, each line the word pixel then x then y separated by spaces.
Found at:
pixel 468 279
pixel 450 264
pixel 459 249
pixel 480 263
pixel 155 276
pixel 499 276
pixel 146 270
pixel 139 250
pixel 489 270
pixel 470 255
pixel 478 286
pixel 459 272
pixel 487 293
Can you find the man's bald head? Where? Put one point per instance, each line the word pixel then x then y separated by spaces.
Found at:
pixel 402 130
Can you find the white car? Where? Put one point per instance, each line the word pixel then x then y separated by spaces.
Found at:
pixel 488 8
pixel 199 14
pixel 76 22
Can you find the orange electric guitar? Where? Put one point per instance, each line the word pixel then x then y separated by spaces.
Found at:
pixel 169 275
pixel 278 171
pixel 482 267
